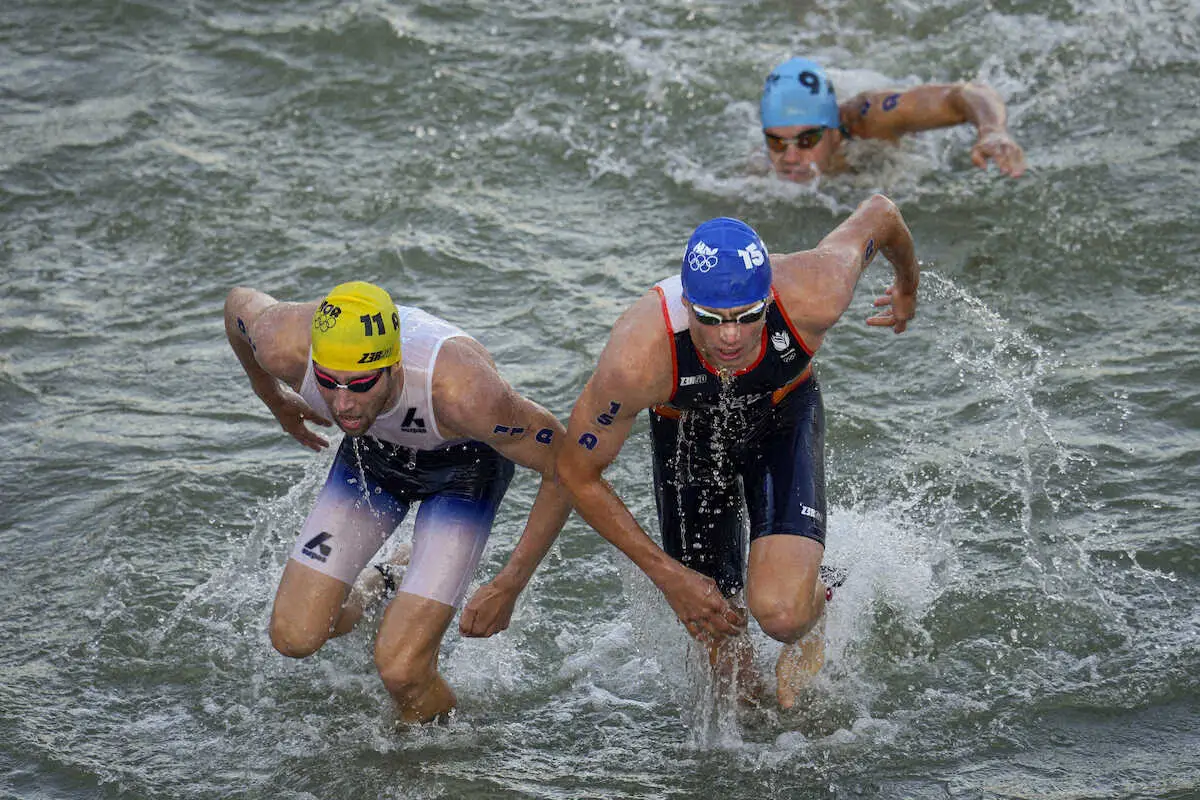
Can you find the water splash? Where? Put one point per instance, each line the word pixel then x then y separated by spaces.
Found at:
pixel 1006 370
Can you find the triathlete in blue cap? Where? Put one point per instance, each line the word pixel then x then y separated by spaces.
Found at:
pixel 805 127
pixel 721 356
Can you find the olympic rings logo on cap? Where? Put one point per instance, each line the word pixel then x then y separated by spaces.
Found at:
pixel 702 258
pixel 327 316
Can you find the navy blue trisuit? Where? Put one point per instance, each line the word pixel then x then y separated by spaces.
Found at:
pixel 727 446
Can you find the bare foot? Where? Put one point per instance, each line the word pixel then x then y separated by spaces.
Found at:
pixel 378 579
pixel 797 665
pixel 370 588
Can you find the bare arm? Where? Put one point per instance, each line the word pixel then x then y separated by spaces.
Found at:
pixel 817 286
pixel 472 400
pixel 634 374
pixel 887 114
pixel 270 339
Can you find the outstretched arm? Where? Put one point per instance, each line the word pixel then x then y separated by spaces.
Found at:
pixel 474 401
pixel 817 286
pixel 270 340
pixel 627 380
pixel 885 114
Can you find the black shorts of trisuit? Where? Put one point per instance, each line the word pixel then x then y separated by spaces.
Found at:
pixel 706 462
pixel 469 471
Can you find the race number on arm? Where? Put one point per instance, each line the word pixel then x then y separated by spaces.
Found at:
pixel 889 114
pixel 634 373
pixel 472 400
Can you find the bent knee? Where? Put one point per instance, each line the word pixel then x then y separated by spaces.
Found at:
pixel 296 640
pixel 784 621
pixel 403 678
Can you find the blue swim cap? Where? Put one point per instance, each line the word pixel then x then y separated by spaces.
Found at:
pixel 725 265
pixel 797 92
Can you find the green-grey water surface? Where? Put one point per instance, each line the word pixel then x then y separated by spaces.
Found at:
pixel 1013 482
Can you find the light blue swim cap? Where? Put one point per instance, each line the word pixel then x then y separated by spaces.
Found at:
pixel 725 265
pixel 797 92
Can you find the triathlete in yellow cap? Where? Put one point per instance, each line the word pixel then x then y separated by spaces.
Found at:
pixel 355 327
pixel 428 420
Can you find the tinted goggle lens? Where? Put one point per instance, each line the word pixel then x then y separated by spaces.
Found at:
pixel 805 140
pixel 357 385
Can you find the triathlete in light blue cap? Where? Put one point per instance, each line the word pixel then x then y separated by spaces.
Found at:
pixel 798 92
pixel 805 126
pixel 721 355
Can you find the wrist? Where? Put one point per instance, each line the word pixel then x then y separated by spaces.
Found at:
pixel 266 387
pixel 512 579
pixel 663 570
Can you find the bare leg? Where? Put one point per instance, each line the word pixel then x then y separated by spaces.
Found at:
pixel 406 653
pixel 732 662
pixel 733 665
pixel 308 605
pixel 788 600
pixel 799 662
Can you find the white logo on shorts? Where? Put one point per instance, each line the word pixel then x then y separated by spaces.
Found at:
pixel 811 512
pixel 702 258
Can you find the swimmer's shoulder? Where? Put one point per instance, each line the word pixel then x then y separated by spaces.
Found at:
pixel 282 336
pixel 637 361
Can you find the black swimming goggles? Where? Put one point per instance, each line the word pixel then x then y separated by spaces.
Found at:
pixel 357 385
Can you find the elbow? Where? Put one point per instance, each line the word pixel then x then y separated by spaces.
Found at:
pixel 976 88
pixel 236 303
pixel 572 476
pixel 889 212
pixel 236 299
pixel 959 98
pixel 883 203
pixel 566 475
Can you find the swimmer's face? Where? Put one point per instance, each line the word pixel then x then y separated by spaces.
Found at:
pixel 729 339
pixel 356 398
pixel 800 152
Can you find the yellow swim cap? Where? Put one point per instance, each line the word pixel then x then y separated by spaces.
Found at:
pixel 355 328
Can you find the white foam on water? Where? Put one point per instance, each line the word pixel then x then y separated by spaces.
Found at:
pixel 249 580
pixel 645 660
